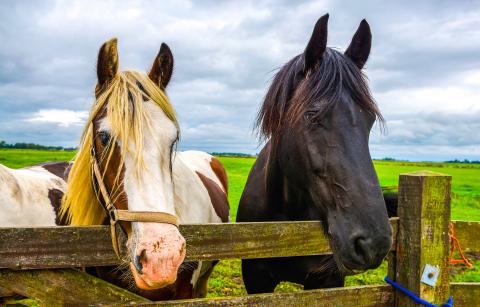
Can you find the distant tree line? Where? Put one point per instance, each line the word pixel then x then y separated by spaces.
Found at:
pixel 231 154
pixel 466 161
pixel 3 144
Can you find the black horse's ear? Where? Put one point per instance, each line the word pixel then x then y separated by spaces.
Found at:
pixel 359 48
pixel 162 68
pixel 107 64
pixel 317 44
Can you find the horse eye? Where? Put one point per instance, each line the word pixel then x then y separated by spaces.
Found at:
pixel 104 138
pixel 309 115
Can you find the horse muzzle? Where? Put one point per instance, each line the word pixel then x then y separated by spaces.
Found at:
pixel 158 250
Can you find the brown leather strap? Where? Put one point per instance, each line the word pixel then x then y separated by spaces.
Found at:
pixel 113 233
pixel 143 216
pixel 136 216
pixel 107 202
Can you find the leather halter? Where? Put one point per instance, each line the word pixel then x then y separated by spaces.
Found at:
pixel 116 215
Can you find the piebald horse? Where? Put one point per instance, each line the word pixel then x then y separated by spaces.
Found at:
pixel 316 165
pixel 131 136
pixel 31 196
pixel 130 139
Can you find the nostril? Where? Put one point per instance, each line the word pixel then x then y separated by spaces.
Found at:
pixel 362 248
pixel 137 261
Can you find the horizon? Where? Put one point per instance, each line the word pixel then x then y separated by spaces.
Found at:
pixel 242 154
pixel 424 68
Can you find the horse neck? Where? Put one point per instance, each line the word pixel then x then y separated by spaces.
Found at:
pixel 281 198
pixel 274 183
pixel 281 195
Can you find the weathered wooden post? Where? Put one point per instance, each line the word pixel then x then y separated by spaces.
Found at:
pixel 423 241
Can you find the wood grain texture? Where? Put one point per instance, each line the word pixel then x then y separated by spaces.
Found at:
pixel 254 240
pixel 67 287
pixel 465 294
pixel 56 247
pixel 4 292
pixel 424 212
pixel 64 247
pixel 363 296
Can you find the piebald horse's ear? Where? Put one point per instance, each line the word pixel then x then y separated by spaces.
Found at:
pixel 162 68
pixel 107 65
pixel 317 44
pixel 359 48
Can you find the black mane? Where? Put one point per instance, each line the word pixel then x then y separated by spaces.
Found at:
pixel 293 92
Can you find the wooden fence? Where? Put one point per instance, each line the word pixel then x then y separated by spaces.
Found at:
pixel 41 263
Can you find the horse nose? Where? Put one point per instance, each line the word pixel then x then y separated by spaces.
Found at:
pixel 137 261
pixel 362 250
pixel 368 253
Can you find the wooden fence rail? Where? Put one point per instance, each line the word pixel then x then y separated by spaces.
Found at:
pixel 465 294
pixel 66 247
pixel 63 247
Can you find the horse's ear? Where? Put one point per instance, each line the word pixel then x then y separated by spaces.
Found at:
pixel 317 44
pixel 359 48
pixel 162 68
pixel 107 65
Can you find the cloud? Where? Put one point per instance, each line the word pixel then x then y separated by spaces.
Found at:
pixel 64 118
pixel 460 100
pixel 424 66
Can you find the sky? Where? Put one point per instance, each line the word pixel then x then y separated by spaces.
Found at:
pixel 424 68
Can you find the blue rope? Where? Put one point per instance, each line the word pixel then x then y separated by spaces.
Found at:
pixel 415 298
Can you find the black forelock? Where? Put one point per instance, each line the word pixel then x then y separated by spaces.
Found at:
pixel 294 91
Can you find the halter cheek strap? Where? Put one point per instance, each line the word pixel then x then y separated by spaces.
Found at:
pixel 116 215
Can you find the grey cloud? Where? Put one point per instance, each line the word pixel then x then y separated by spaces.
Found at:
pixel 442 129
pixel 226 54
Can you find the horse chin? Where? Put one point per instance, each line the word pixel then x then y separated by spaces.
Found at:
pixel 341 267
pixel 344 269
pixel 144 284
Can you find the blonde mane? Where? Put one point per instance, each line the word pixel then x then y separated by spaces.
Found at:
pixel 128 121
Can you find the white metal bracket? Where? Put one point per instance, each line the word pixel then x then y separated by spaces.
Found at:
pixel 430 275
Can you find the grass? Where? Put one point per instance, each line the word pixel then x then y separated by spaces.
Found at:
pixel 226 279
pixel 465 183
pixel 16 158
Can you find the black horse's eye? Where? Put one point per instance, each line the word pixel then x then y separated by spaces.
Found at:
pixel 104 137
pixel 309 115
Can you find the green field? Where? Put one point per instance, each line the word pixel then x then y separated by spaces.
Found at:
pixel 226 279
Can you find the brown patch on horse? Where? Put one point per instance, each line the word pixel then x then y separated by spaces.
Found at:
pixel 120 200
pixel 107 64
pixel 217 197
pixel 220 172
pixel 55 196
pixel 162 68
pixel 59 169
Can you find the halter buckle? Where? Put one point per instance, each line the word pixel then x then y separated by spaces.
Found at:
pixel 113 216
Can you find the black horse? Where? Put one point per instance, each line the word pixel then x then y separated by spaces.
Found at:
pixel 317 117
